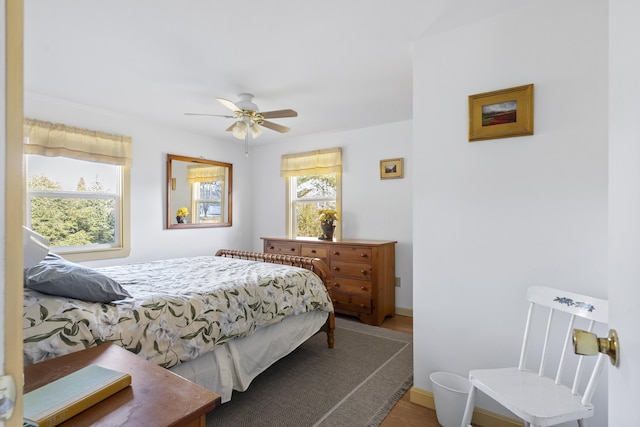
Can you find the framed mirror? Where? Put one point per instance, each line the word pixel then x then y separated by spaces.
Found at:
pixel 198 192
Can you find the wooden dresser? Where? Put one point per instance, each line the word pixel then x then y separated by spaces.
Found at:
pixel 362 281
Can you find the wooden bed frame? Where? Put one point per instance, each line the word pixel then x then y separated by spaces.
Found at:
pixel 316 265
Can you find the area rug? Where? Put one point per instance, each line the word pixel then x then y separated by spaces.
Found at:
pixel 356 383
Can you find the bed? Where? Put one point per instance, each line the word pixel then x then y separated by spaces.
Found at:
pixel 216 320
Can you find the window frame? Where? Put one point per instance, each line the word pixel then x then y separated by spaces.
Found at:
pixel 291 200
pixel 122 245
pixel 196 192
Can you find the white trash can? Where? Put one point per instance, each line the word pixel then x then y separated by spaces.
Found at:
pixel 450 392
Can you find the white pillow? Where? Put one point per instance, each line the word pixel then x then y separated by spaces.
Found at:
pixel 34 247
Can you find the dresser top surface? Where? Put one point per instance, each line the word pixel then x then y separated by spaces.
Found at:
pixel 334 241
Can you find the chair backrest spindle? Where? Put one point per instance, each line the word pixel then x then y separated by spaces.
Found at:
pixel 567 340
pixel 593 380
pixel 579 368
pixel 525 340
pixel 545 349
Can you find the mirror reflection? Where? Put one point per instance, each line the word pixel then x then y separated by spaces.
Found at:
pixel 198 192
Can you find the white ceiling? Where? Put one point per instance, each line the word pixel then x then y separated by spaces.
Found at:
pixel 341 64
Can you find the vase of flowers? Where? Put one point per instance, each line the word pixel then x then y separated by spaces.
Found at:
pixel 327 218
pixel 181 215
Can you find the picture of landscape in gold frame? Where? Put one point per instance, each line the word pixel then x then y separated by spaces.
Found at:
pixel 391 168
pixel 501 113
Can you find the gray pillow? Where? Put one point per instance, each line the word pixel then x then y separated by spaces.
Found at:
pixel 57 276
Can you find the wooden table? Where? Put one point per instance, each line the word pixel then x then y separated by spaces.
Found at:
pixel 157 397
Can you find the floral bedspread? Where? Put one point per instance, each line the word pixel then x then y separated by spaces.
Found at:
pixel 181 308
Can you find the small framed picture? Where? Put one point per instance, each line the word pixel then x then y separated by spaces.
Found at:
pixel 501 113
pixel 391 168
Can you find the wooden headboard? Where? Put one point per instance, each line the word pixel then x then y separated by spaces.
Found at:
pixel 314 264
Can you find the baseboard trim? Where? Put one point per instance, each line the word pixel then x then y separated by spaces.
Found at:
pixel 481 417
pixel 401 311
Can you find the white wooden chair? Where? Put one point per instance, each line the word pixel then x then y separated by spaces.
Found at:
pixel 532 396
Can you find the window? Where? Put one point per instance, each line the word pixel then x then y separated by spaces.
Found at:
pixel 310 193
pixel 78 190
pixel 314 182
pixel 207 201
pixel 208 196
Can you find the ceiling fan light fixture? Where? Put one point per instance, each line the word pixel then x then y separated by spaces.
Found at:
pixel 239 129
pixel 256 130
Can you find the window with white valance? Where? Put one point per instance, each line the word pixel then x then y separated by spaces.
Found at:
pixel 56 139
pixel 78 189
pixel 313 182
pixel 312 162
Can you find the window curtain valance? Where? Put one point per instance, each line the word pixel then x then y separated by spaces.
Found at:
pixel 55 139
pixel 312 162
pixel 206 174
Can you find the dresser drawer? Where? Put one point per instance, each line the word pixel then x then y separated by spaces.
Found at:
pixel 350 253
pixel 313 251
pixel 343 302
pixel 350 286
pixel 350 269
pixel 282 248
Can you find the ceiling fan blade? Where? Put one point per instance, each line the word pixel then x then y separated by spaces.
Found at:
pixel 279 114
pixel 214 115
pixel 275 126
pixel 230 105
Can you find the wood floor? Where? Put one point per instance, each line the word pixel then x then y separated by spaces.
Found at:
pixel 405 413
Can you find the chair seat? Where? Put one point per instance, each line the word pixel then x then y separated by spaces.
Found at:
pixel 531 397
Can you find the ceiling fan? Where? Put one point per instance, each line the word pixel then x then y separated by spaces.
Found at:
pixel 249 118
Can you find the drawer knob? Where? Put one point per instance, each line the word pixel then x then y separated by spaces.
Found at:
pixel 336 268
pixel 363 288
pixel 292 249
pixel 363 255
pixel 362 305
pixel 271 247
pixel 313 251
pixel 336 253
pixel 363 271
pixel 336 285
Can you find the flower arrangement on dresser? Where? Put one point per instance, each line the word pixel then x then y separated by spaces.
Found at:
pixel 327 218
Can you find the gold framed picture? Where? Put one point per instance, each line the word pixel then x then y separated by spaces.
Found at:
pixel 391 168
pixel 501 113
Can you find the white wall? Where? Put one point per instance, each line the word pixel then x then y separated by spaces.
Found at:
pixel 495 217
pixel 151 143
pixel 371 208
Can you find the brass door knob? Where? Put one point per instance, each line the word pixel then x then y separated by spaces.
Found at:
pixel 587 343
